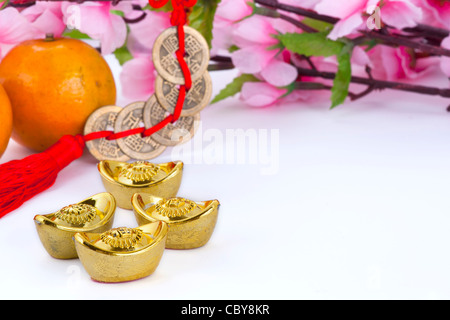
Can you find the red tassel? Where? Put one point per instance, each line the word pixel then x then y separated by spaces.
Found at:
pixel 23 179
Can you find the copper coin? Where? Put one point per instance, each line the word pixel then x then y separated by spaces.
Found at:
pixel 173 133
pixel 136 146
pixel 164 58
pixel 197 98
pixel 103 119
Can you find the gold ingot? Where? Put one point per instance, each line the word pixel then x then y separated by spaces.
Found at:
pixel 56 230
pixel 191 224
pixel 124 179
pixel 122 254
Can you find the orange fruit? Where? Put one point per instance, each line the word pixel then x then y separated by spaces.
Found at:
pixel 6 119
pixel 54 85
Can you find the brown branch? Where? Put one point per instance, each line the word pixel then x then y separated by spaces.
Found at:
pixel 220 66
pixel 275 14
pixel 428 31
pixel 297 10
pixel 136 20
pixel 400 41
pixel 379 84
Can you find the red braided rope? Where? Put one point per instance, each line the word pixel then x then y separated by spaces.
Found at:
pixel 179 19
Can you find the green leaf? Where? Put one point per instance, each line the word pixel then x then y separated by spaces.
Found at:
pixel 341 82
pixel 118 12
pixel 311 44
pixel 317 24
pixel 234 87
pixel 233 48
pixel 75 34
pixel 123 54
pixel 166 8
pixel 202 18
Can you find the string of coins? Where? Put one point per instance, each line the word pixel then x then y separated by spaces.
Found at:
pixel 143 130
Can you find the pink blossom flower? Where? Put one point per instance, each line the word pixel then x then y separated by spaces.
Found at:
pixel 137 78
pixel 254 37
pixel 45 17
pixel 14 28
pixel 97 20
pixel 398 63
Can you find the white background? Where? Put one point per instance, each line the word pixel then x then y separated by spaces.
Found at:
pixel 357 208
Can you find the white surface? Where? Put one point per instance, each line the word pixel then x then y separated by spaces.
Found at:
pixel 358 208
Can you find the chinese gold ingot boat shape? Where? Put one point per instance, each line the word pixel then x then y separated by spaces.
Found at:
pixel 124 179
pixel 122 254
pixel 56 230
pixel 191 224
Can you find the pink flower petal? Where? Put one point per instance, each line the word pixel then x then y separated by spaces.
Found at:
pixel 156 22
pixel 97 21
pixel 445 61
pixel 279 73
pixel 252 59
pixel 39 7
pixel 307 4
pixel 400 14
pixel 116 36
pixel 414 68
pixel 233 10
pixel 14 27
pixel 388 63
pixel 440 10
pixel 260 94
pixel 136 48
pixel 222 37
pixel 339 9
pixel 397 63
pixel 346 26
pixel 254 30
pixel 48 22
pixel 360 57
pixel 137 78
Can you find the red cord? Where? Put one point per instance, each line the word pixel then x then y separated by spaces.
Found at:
pixel 179 19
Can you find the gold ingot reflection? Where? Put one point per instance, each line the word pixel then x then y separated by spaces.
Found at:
pixel 123 179
pixel 56 230
pixel 191 224
pixel 122 254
